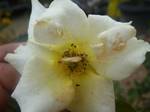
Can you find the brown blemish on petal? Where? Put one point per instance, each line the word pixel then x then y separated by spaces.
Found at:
pixel 65 110
pixel 77 85
pixel 118 45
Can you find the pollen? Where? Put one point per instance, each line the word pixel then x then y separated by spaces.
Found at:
pixel 73 59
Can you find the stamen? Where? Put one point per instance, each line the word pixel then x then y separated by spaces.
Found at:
pixel 71 59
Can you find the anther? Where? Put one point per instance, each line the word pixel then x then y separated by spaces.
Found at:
pixel 71 59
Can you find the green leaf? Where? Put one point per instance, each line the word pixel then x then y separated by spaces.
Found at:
pixel 122 106
pixel 147 61
pixel 133 94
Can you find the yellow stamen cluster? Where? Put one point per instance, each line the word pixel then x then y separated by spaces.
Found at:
pixel 74 60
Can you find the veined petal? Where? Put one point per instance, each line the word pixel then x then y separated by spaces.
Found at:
pixel 42 90
pixel 63 19
pixel 100 23
pixel 123 63
pixel 93 94
pixel 37 10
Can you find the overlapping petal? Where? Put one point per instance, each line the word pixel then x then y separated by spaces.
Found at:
pixel 37 10
pixel 123 63
pixel 99 23
pixel 63 19
pixel 93 94
pixel 116 35
pixel 41 89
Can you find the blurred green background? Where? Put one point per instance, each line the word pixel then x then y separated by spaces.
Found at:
pixel 133 93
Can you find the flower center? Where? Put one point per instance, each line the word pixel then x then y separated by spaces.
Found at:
pixel 73 59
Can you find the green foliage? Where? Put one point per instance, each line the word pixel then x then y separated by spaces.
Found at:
pixel 121 103
pixel 147 61
pixel 122 106
pixel 136 95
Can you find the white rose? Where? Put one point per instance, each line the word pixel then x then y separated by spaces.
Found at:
pixel 70 60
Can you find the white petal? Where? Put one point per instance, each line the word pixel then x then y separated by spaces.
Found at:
pixel 37 10
pixel 24 52
pixel 99 24
pixel 63 19
pixel 93 94
pixel 117 34
pixel 123 63
pixel 19 58
pixel 42 90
